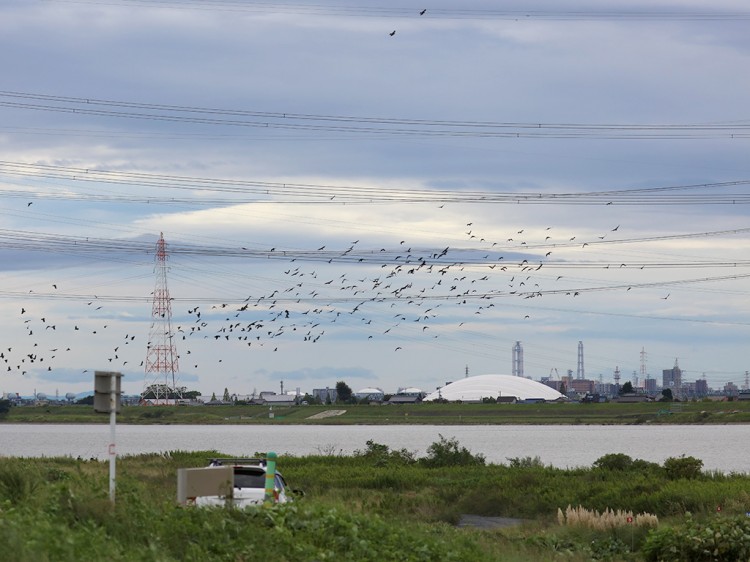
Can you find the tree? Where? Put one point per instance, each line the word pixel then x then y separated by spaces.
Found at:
pixel 226 397
pixel 213 397
pixel 343 392
pixel 627 388
pixel 666 395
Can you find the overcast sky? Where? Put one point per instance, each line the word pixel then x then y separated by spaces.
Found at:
pixel 373 194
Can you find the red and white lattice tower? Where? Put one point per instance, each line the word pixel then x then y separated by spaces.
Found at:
pixel 161 377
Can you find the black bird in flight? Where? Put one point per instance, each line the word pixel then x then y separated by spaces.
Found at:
pixel 423 12
pixel 392 33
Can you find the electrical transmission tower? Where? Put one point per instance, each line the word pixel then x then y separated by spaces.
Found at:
pixel 161 376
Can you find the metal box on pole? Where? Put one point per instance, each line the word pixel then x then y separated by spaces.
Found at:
pixel 103 391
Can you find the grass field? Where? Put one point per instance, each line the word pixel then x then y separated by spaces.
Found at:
pixel 426 413
pixel 379 505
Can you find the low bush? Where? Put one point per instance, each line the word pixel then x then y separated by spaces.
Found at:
pixel 382 455
pixel 614 461
pixel 448 452
pixel 720 539
pixel 525 462
pixel 683 467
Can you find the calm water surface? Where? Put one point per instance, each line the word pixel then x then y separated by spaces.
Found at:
pixel 721 447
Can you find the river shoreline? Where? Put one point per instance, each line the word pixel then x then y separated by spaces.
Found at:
pixel 682 413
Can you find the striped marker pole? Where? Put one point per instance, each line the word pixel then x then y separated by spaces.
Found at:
pixel 270 477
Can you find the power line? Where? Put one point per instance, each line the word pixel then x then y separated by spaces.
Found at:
pixel 385 126
pixel 414 257
pixel 314 9
pixel 256 191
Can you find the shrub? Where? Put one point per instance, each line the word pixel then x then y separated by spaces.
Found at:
pixel 381 455
pixel 718 540
pixel 525 462
pixel 447 452
pixel 614 461
pixel 683 467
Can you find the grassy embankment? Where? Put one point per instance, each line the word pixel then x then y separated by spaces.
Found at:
pixel 438 414
pixel 378 505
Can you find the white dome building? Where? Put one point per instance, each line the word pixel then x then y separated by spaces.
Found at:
pixel 473 389
pixel 410 391
pixel 375 394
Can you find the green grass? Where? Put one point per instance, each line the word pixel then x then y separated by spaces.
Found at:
pixel 375 505
pixel 427 413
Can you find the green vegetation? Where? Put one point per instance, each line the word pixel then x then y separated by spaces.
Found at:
pixel 428 413
pixel 379 504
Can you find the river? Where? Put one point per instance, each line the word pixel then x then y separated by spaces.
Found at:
pixel 720 447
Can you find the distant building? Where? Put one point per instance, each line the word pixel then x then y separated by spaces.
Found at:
pixel 404 399
pixel 649 385
pixel 632 397
pixel 672 379
pixel 701 388
pixel 373 394
pixel 474 389
pixel 730 389
pixel 582 386
pixel 558 385
pixel 279 400
pixel 325 395
pixel 608 389
pixel 695 390
pixel 411 391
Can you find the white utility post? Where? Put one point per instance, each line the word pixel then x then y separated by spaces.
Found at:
pixel 112 423
pixel 107 400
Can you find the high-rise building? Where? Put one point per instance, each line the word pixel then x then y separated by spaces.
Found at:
pixel 672 378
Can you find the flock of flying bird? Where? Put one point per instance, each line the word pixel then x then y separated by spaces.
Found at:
pixel 403 294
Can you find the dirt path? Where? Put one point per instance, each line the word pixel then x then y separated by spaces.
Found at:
pixel 482 522
pixel 326 414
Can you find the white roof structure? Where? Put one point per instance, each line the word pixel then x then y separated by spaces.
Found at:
pixel 473 389
pixel 370 390
pixel 410 390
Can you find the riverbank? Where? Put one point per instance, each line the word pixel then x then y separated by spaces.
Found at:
pixel 380 505
pixel 737 412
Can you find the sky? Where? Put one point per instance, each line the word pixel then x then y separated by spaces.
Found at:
pixel 373 194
